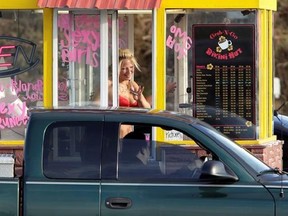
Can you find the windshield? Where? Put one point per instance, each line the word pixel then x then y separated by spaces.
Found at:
pixel 234 148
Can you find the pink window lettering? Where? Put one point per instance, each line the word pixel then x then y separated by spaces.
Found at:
pixel 170 42
pixel 180 50
pixel 3 54
pixel 3 108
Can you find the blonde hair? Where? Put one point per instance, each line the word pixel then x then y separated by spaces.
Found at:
pixel 127 54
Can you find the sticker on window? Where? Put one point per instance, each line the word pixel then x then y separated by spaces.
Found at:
pixel 173 135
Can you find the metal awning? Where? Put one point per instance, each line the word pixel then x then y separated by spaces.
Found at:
pixel 101 4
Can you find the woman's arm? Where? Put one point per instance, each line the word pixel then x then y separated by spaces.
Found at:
pixel 137 92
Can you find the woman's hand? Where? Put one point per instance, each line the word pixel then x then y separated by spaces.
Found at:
pixel 137 94
pixel 170 87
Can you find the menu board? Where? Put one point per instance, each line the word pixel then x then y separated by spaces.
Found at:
pixel 224 78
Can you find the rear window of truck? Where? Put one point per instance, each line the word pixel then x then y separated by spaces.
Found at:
pixel 72 150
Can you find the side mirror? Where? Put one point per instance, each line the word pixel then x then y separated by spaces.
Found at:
pixel 215 171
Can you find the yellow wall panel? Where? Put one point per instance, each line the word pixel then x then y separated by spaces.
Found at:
pixel 18 4
pixel 270 72
pixel 161 50
pixel 221 4
pixel 48 57
pixel 209 4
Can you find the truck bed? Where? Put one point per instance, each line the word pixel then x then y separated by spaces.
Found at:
pixel 9 196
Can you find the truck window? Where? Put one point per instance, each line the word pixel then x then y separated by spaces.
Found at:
pixel 72 150
pixel 144 158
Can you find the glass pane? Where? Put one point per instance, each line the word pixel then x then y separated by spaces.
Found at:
pixel 21 71
pixel 71 151
pixel 212 57
pixel 135 34
pixel 79 57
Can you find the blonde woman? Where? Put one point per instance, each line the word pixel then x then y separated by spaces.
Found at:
pixel 130 93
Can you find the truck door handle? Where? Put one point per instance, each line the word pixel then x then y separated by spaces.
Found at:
pixel 118 203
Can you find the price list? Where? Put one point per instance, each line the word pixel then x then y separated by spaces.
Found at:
pixel 224 91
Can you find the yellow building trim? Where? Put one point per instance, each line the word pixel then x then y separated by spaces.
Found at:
pixel 270 73
pixel 268 4
pixel 262 78
pixel 211 4
pixel 240 142
pixel 181 142
pixel 47 57
pixel 11 142
pixel 262 84
pixel 161 62
pixel 221 4
pixel 19 4
pixel 257 142
pixel 161 53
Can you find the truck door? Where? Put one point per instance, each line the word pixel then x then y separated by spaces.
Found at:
pixel 172 182
pixel 70 181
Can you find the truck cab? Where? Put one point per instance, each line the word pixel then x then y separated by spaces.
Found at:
pixel 79 162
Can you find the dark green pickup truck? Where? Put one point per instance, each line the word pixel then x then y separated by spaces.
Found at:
pixel 93 162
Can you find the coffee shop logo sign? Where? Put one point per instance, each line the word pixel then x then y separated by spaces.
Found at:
pixel 224 49
pixel 11 53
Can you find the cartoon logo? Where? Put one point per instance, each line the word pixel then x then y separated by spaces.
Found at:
pixel 224 49
pixel 224 44
pixel 19 56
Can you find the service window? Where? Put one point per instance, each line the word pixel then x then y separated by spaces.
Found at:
pixel 79 58
pixel 72 150
pixel 88 43
pixel 21 70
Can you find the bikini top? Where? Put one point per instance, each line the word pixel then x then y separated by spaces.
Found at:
pixel 124 102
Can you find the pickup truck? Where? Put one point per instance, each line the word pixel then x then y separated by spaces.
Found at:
pixel 78 162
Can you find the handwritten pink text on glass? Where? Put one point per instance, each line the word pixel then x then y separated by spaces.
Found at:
pixel 82 43
pixel 184 42
pixel 9 119
pixel 13 111
pixel 31 91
